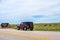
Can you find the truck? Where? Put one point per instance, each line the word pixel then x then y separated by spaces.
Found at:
pixel 25 26
pixel 4 25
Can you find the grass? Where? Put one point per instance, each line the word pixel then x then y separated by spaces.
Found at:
pixel 47 27
pixel 42 26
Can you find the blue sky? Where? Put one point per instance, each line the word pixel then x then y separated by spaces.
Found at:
pixel 37 11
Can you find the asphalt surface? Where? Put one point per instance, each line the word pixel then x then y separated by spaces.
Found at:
pixel 12 34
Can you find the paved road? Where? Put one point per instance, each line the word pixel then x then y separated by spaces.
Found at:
pixel 11 34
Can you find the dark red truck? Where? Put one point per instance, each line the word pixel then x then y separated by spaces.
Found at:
pixel 25 26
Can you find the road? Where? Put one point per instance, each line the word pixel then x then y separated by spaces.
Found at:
pixel 12 34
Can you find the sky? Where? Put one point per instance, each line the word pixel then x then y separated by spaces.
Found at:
pixel 37 11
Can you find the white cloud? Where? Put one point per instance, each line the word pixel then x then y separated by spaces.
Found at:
pixel 20 10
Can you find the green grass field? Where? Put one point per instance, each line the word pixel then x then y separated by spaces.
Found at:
pixel 47 27
pixel 42 26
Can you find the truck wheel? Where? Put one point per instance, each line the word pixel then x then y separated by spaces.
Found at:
pixel 31 29
pixel 25 28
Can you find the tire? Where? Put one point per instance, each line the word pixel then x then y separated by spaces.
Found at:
pixel 18 28
pixel 25 28
pixel 31 26
pixel 1 26
pixel 31 29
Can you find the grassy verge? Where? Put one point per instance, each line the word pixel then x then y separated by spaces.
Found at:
pixel 42 27
pixel 47 27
